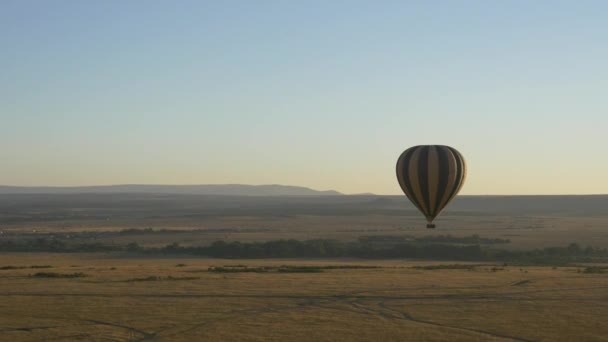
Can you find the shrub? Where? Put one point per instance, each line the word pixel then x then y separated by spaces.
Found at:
pixel 59 275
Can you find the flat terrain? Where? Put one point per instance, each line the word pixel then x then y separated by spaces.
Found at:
pixel 114 297
pixel 527 221
pixel 150 297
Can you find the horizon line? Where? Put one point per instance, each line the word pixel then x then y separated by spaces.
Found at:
pixel 276 184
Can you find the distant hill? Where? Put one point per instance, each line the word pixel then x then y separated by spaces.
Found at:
pixel 208 189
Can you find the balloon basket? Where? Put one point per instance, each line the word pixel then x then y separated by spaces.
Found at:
pixel 430 226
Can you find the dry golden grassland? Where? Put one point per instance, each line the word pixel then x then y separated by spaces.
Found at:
pixel 528 221
pixel 523 232
pixel 178 299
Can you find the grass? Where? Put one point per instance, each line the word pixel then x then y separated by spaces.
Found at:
pixel 596 269
pixel 386 300
pixel 552 227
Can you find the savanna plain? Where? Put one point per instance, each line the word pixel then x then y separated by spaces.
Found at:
pixel 127 268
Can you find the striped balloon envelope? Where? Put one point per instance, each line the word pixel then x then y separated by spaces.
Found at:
pixel 431 176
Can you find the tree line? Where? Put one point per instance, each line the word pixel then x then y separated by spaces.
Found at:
pixel 324 248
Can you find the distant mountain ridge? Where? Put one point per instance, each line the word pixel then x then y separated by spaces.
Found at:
pixel 203 189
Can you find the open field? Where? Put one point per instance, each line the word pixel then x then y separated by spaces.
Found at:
pixel 147 295
pixel 527 221
pixel 122 298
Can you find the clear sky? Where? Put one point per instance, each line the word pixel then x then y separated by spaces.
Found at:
pixel 324 94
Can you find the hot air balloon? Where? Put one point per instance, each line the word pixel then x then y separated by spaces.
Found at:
pixel 431 176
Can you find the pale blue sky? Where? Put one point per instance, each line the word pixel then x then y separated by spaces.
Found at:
pixel 324 94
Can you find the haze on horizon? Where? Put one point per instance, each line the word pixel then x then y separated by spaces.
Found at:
pixel 318 94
